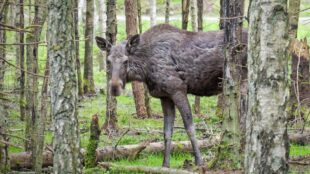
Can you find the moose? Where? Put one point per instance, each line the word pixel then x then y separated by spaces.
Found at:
pixel 172 63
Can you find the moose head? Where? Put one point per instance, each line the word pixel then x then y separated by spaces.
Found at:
pixel 118 62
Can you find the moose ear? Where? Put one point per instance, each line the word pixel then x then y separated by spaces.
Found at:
pixel 102 43
pixel 133 42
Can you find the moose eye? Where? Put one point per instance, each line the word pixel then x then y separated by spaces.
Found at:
pixel 108 62
pixel 125 62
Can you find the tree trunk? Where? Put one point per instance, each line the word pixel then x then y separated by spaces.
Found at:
pixel 232 81
pixel 90 160
pixel 200 6
pixel 102 30
pixel 4 148
pixel 38 132
pixel 77 48
pixel 110 124
pixel 185 12
pixel 139 15
pixel 293 12
pixel 63 87
pixel 20 57
pixel 167 11
pixel 194 22
pixel 194 13
pixel 266 136
pixel 4 156
pixel 32 67
pixel 153 12
pixel 131 29
pixel 82 12
pixel 3 19
pixel 222 15
pixel 89 85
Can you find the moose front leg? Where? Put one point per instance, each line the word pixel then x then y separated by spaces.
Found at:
pixel 181 102
pixel 169 117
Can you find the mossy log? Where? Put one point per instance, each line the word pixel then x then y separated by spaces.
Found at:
pixel 23 159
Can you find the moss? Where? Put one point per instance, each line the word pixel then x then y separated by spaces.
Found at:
pixel 90 158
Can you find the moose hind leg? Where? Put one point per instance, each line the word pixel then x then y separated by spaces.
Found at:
pixel 181 101
pixel 169 117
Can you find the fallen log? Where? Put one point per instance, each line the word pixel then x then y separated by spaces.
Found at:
pixel 301 139
pixel 23 160
pixel 143 169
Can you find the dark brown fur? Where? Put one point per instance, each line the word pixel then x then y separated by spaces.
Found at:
pixel 173 63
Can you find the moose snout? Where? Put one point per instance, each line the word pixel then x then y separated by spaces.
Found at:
pixel 116 87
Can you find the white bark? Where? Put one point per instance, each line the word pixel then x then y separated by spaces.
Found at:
pixel 266 136
pixel 193 12
pixel 63 87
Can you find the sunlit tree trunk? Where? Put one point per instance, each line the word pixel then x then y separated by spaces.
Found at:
pixel 88 82
pixel 185 13
pixel 77 49
pixel 266 129
pixel 102 30
pixel 153 12
pixel 110 124
pixel 63 87
pixel 32 39
pixel 167 11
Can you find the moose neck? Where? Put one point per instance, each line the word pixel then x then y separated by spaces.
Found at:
pixel 137 71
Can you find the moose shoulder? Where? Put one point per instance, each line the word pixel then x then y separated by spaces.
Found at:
pixel 173 63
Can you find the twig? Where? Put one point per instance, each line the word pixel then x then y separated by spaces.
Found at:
pixel 121 138
pixel 31 43
pixel 15 136
pixel 10 144
pixel 21 69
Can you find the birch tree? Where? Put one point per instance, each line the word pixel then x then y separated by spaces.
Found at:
pixel 102 30
pixel 63 87
pixel 110 124
pixel 266 130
